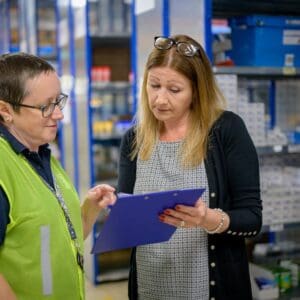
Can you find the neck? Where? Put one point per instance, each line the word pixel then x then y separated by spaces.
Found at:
pixel 22 140
pixel 173 133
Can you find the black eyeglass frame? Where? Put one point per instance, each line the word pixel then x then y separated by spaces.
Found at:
pixel 172 42
pixel 51 106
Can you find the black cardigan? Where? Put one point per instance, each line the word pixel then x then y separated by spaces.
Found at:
pixel 233 178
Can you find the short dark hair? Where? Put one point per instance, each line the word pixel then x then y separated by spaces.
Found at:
pixel 15 70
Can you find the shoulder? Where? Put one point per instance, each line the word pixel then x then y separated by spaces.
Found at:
pixel 127 141
pixel 228 119
pixel 130 133
pixel 128 137
pixel 228 124
pixel 230 129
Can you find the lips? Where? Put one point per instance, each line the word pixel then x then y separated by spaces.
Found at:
pixel 162 110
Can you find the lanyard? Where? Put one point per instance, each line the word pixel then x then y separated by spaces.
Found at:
pixel 58 195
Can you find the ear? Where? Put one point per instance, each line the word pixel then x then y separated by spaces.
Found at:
pixel 5 111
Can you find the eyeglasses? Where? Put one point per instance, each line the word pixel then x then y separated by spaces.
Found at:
pixel 48 109
pixel 184 48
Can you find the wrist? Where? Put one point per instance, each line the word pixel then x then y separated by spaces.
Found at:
pixel 219 227
pixel 88 211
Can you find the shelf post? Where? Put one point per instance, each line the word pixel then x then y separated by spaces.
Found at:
pixel 272 103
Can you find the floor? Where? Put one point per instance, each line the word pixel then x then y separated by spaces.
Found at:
pixel 107 291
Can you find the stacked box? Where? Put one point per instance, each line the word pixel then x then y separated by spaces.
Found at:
pixel 269 41
pixel 253 115
pixel 228 85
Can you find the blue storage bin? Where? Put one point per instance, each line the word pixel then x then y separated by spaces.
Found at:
pixel 269 41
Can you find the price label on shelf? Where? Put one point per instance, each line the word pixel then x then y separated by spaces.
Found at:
pixel 293 148
pixel 289 70
pixel 277 148
pixel 276 227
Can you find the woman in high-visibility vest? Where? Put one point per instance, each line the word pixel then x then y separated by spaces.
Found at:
pixel 42 226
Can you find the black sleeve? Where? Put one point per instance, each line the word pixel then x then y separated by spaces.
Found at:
pixel 4 214
pixel 126 182
pixel 243 177
pixel 127 166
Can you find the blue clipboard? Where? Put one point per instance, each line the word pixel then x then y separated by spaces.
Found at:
pixel 134 221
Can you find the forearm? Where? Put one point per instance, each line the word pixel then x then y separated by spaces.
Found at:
pixel 6 291
pixel 89 216
pixel 98 198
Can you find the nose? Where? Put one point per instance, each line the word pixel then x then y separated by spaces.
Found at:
pixel 161 97
pixel 57 113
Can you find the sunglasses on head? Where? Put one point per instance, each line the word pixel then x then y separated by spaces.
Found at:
pixel 184 48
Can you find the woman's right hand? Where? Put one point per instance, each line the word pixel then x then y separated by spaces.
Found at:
pixel 186 216
pixel 195 216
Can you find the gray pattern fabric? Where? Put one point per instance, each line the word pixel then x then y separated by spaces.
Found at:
pixel 176 269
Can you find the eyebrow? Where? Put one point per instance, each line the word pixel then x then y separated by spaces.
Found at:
pixel 53 98
pixel 152 77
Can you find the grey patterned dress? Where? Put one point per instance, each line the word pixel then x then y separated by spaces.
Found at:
pixel 176 269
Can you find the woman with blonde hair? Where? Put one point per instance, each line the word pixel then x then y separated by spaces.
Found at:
pixel 184 138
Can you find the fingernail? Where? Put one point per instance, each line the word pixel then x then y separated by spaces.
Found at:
pixel 162 217
pixel 167 211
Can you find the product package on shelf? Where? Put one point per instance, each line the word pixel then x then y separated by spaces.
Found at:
pixel 263 283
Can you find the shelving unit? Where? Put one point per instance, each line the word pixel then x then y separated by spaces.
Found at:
pixel 110 112
pixel 46 19
pixel 4 24
pixel 268 95
pixel 102 49
pixel 13 25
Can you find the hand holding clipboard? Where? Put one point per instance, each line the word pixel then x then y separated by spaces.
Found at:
pixel 133 220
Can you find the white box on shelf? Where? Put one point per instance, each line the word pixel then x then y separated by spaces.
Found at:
pixel 262 294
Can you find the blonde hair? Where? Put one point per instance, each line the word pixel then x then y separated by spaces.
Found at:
pixel 207 104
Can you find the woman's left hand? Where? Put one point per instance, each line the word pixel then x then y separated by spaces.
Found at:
pixel 185 216
pixel 98 198
pixel 101 196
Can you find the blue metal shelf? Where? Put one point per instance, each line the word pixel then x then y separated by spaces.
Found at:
pixel 110 40
pixel 280 227
pixel 278 149
pixel 108 141
pixel 111 85
pixel 266 72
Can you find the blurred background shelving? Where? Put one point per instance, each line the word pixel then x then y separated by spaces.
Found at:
pixel 109 30
pixel 99 48
pixel 265 94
